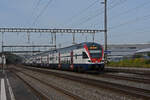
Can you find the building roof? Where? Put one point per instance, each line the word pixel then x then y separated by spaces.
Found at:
pixel 143 50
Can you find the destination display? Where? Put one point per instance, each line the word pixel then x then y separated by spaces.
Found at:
pixel 93 47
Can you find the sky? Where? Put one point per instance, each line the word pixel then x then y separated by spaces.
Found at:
pixel 128 20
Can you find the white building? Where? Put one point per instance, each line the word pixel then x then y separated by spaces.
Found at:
pixel 144 53
pixel 119 51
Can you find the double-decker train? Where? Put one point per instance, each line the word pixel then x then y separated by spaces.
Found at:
pixel 81 57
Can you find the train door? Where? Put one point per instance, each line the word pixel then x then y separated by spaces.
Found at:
pixel 48 60
pixel 59 63
pixel 71 60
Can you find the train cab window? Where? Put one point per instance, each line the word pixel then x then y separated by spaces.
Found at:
pixel 84 55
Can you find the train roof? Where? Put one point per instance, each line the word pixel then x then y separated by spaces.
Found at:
pixel 77 46
pixel 69 48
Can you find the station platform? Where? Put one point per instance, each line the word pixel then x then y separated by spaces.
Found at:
pixel 12 88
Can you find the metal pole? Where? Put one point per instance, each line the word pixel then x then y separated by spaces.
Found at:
pixel 93 37
pixel 2 52
pixel 73 38
pixel 55 40
pixel 28 36
pixel 105 28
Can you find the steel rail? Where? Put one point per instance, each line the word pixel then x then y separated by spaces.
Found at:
pixel 37 93
pixel 75 97
pixel 121 77
pixel 138 92
pixel 128 70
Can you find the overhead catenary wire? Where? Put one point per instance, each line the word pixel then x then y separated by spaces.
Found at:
pixel 38 3
pixel 36 6
pixel 117 34
pixel 34 9
pixel 132 21
pixel 117 4
pixel 145 17
pixel 130 10
pixel 83 11
pixel 87 19
pixel 42 11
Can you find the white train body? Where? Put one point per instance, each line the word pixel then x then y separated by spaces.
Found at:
pixel 79 57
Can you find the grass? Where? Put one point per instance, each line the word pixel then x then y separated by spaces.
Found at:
pixel 138 62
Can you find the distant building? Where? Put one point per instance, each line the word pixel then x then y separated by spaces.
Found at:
pixel 121 51
pixel 145 53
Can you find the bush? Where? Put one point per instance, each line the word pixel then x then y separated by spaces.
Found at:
pixel 138 62
pixel 147 61
pixel 148 54
pixel 137 56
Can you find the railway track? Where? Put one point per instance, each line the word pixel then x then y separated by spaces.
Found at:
pixel 128 78
pixel 42 95
pixel 138 92
pixel 39 95
pixel 139 71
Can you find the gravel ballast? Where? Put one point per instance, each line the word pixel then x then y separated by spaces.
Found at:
pixel 83 90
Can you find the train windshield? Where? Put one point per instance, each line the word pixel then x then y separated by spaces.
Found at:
pixel 95 51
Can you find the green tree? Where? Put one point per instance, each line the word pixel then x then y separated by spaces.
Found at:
pixel 137 56
pixel 148 54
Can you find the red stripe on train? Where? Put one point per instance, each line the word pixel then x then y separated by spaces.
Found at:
pixel 94 60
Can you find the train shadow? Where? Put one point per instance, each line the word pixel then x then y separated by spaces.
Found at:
pixel 95 72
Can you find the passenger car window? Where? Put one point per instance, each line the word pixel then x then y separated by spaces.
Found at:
pixel 76 56
pixel 84 55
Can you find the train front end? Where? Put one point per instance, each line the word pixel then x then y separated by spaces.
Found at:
pixel 95 55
